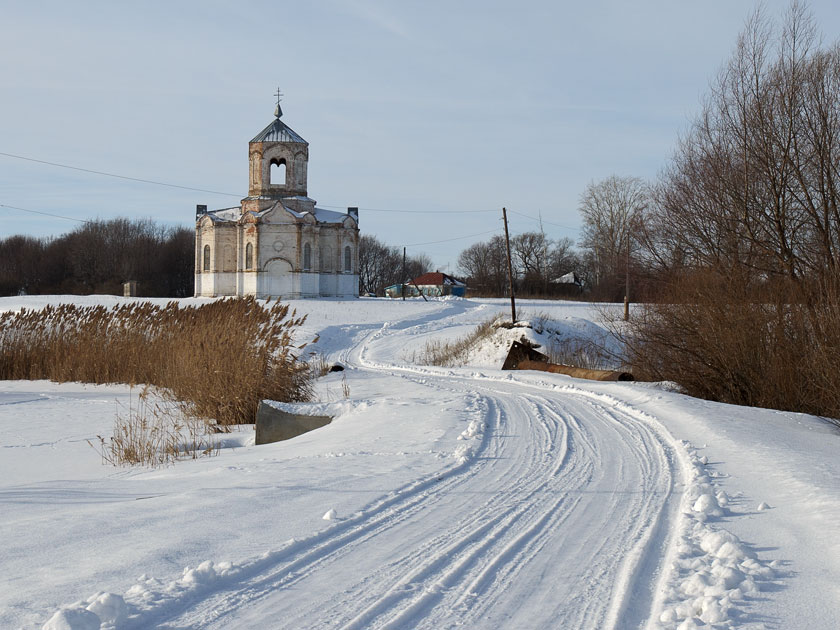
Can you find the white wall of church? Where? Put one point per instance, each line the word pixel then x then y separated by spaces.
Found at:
pixel 310 285
pixel 328 284
pixel 348 285
pixel 247 283
pixel 225 283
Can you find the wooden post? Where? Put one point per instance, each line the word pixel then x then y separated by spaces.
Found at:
pixel 510 270
pixel 402 286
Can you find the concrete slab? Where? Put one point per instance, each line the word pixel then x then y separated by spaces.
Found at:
pixel 274 425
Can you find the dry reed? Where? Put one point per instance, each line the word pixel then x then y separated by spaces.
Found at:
pixel 217 359
pixel 154 432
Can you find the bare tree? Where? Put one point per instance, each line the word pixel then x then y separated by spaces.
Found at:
pixel 745 225
pixel 613 212
pixel 562 258
pixel 416 265
pixel 379 265
pixel 530 258
pixel 537 262
pixel 98 257
pixel 485 266
pixel 754 186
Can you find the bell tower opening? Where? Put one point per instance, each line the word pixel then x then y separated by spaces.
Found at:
pixel 278 159
pixel 277 175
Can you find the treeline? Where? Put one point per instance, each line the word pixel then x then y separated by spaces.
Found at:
pixel 742 231
pixel 539 264
pixel 98 257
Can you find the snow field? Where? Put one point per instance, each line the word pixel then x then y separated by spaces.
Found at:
pixel 457 497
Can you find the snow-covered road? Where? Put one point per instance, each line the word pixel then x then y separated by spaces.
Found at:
pixel 458 497
pixel 552 521
pixel 555 516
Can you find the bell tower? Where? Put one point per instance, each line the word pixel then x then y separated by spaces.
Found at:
pixel 278 159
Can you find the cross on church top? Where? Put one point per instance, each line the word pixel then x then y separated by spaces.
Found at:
pixel 277 111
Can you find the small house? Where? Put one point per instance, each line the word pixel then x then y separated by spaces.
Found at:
pixel 432 284
pixel 567 285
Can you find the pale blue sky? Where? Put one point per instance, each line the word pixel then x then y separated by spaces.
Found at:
pixel 420 106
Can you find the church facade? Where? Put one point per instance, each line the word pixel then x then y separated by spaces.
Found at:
pixel 277 243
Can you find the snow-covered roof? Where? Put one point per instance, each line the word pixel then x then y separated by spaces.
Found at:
pixel 330 216
pixel 226 214
pixel 278 131
pixel 569 278
pixel 321 215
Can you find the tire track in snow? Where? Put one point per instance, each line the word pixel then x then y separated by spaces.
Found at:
pixel 492 551
pixel 654 455
pixel 451 555
pixel 545 495
pixel 287 567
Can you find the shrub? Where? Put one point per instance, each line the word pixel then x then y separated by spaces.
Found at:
pixel 724 339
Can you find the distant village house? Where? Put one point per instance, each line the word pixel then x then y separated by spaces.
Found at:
pixel 432 284
pixel 568 285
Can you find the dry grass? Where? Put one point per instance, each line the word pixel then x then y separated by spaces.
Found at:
pixel 318 364
pixel 155 432
pixel 217 359
pixel 455 353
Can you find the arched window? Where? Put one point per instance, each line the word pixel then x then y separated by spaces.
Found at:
pixel 348 260
pixel 277 174
pixel 307 257
pixel 249 256
pixel 206 258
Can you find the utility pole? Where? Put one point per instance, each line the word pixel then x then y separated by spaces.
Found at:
pixel 510 269
pixel 627 282
pixel 402 286
pixel 544 266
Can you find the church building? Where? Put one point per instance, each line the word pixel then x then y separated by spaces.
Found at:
pixel 277 243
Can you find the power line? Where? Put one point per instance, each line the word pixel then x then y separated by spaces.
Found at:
pixel 133 179
pixel 218 192
pixel 227 194
pixel 48 214
pixel 415 211
pixel 565 227
pixel 456 238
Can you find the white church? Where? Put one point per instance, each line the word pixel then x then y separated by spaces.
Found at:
pixel 277 243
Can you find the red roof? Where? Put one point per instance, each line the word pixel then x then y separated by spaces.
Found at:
pixel 436 278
